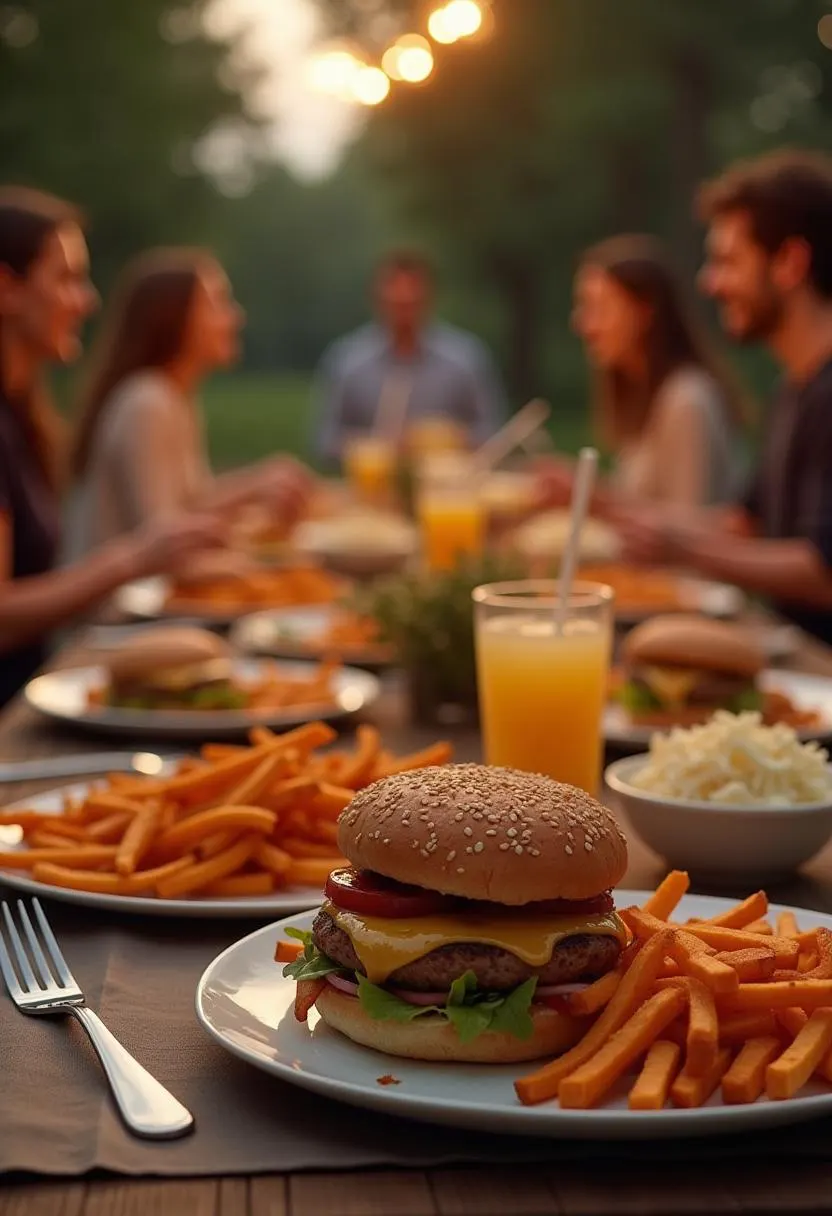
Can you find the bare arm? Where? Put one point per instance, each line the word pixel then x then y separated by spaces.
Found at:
pixel 783 569
pixel 682 445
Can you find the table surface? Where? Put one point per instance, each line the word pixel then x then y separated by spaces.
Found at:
pixel 619 1190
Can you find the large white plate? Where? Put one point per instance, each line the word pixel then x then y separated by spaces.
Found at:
pixel 244 1002
pixel 64 695
pixel 807 692
pixel 291 633
pixel 280 903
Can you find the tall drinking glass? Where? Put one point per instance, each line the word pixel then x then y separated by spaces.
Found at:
pixel 542 690
pixel 451 513
pixel 370 466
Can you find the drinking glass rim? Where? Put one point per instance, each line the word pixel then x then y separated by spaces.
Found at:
pixel 520 593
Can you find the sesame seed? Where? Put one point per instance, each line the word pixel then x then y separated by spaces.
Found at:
pixel 386 840
pixel 511 832
pixel 469 831
pixel 569 849
pixel 451 855
pixel 535 852
pixel 491 832
pixel 588 846
pixel 459 816
pixel 519 849
pixel 460 869
pixel 414 844
pixel 424 853
pixel 469 849
pixel 479 846
pixel 504 846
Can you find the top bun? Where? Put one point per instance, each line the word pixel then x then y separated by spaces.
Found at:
pixel 485 833
pixel 159 649
pixel 694 641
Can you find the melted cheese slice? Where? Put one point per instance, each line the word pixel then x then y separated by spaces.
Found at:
pixel 383 944
pixel 671 685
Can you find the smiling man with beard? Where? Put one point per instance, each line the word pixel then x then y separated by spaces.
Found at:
pixel 769 269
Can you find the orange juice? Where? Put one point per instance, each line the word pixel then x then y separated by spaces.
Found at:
pixel 370 465
pixel 542 693
pixel 453 527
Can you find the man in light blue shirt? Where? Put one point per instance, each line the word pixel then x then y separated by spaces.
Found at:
pixel 405 367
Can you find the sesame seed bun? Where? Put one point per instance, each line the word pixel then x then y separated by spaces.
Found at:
pixel 158 650
pixel 485 833
pixel 694 641
pixel 434 1038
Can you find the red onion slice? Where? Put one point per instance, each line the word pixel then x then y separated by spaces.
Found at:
pixel 558 989
pixel 342 985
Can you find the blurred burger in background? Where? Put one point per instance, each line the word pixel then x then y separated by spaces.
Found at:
pixel 173 668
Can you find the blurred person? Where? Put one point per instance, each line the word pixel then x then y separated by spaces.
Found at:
pixel 420 368
pixel 664 404
pixel 769 269
pixel 139 446
pixel 45 296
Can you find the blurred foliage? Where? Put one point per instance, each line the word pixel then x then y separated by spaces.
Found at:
pixel 576 119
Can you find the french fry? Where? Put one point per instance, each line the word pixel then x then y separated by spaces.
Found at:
pixel 221 751
pixel 295 846
pixel 791 1020
pixel 807 961
pixel 59 826
pixel 787 925
pixel 288 952
pixel 201 874
pixel 658 1071
pixel 804 994
pixel 633 990
pixel 46 840
pixel 695 958
pixel 356 771
pixel 662 903
pixel 104 883
pixel 761 927
pixel 582 1088
pixel 137 839
pixel 788 1074
pixel 22 819
pixel 751 909
pixel 78 857
pixel 736 1028
pixel 596 996
pixel 436 754
pixel 751 966
pixel 689 1091
pixel 289 793
pixel 100 805
pixel 273 859
pixel 109 830
pixel 702 1041
pixel 822 969
pixel 239 885
pixel 251 788
pixel 786 949
pixel 745 1080
pixel 330 800
pixel 312 871
pixel 237 819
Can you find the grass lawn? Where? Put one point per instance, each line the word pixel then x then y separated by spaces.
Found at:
pixel 250 414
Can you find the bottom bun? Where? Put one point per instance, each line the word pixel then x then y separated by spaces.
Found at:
pixel 434 1038
pixel 689 715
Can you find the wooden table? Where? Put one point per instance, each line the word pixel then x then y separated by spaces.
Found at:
pixel 718 1189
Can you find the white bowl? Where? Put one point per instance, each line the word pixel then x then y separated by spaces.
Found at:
pixel 720 842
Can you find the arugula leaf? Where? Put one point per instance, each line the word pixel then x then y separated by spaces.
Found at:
pixel 312 964
pixel 385 1006
pixel 749 699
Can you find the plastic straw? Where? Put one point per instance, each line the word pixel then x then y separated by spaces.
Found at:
pixel 581 498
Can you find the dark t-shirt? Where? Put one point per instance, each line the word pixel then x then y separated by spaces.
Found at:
pixel 31 515
pixel 791 496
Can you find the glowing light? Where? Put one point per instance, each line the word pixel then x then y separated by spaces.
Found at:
pixel 335 72
pixel 409 59
pixel 457 19
pixel 463 16
pixel 370 86
pixel 825 31
pixel 415 64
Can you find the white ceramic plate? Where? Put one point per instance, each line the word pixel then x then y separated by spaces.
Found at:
pixel 807 692
pixel 291 633
pixel 147 600
pixel 244 1002
pixel 64 695
pixel 255 906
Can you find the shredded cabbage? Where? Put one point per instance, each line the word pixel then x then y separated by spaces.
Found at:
pixel 735 760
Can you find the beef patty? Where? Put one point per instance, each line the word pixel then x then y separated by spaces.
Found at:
pixel 583 956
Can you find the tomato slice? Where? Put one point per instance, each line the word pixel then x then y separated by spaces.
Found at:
pixel 371 894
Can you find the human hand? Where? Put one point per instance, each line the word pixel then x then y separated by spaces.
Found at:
pixel 167 542
pixel 554 478
pixel 286 487
pixel 645 534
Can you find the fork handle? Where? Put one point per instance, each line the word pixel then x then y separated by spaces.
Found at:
pixel 144 1104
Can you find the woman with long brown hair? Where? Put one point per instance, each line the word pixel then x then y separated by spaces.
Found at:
pixel 139 445
pixel 665 406
pixel 45 296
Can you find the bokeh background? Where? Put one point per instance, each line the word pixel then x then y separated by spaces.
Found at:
pixel 559 122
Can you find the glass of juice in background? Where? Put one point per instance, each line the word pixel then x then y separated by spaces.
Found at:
pixel 370 464
pixel 451 512
pixel 542 691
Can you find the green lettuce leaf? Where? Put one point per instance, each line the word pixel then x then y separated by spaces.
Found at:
pixel 749 699
pixel 385 1006
pixel 312 964
pixel 637 697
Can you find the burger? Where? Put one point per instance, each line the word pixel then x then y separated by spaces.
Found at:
pixel 176 668
pixel 476 899
pixel 679 670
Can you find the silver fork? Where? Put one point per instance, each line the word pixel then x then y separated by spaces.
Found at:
pixel 145 1106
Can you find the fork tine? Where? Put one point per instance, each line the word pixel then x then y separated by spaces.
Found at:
pixel 34 945
pixel 8 971
pixel 64 974
pixel 21 958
